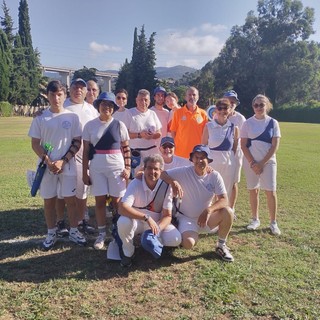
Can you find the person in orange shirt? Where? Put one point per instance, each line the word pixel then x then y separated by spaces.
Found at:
pixel 187 124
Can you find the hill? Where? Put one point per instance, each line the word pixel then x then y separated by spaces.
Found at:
pixel 174 73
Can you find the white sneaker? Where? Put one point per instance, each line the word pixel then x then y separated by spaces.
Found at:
pixel 50 240
pixel 99 243
pixel 275 229
pixel 224 253
pixel 77 237
pixel 254 224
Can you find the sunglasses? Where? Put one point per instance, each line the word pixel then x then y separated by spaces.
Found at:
pixel 121 98
pixel 259 105
pixel 222 108
pixel 165 146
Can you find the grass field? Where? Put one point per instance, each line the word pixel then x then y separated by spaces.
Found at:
pixel 271 278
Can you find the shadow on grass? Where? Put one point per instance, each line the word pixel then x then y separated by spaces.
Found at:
pixel 21 236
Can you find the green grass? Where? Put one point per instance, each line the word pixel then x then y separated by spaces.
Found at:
pixel 271 278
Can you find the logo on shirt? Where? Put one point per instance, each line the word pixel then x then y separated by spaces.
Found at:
pixel 184 118
pixel 199 119
pixel 66 125
pixel 210 187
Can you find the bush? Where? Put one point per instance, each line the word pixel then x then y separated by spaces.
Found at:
pixel 5 109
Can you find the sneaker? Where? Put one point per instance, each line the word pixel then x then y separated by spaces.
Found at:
pixel 62 230
pixel 99 243
pixel 275 229
pixel 85 228
pixel 50 240
pixel 254 224
pixel 126 262
pixel 77 237
pixel 224 253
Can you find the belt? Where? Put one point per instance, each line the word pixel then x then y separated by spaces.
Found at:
pixel 108 151
pixel 144 149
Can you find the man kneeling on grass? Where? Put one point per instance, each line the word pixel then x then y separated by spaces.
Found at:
pixel 204 204
pixel 146 209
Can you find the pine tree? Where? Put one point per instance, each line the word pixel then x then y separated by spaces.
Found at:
pixel 140 72
pixel 32 75
pixel 5 66
pixel 7 23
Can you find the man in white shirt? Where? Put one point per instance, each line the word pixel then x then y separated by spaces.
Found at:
pixel 204 205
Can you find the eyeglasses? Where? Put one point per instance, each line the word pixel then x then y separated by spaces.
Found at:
pixel 165 146
pixel 259 105
pixel 222 108
pixel 121 98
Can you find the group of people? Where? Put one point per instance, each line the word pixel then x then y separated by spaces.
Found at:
pixel 187 180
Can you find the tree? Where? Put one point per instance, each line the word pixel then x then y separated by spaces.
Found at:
pixel 140 72
pixel 5 66
pixel 269 54
pixel 86 74
pixel 7 23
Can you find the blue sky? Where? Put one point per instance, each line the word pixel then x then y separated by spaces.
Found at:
pixel 99 33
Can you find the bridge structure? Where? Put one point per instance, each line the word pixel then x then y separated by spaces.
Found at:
pixel 65 76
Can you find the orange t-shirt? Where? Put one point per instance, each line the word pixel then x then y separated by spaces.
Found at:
pixel 188 127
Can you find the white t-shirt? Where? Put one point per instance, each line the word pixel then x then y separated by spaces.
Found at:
pixel 198 191
pixel 85 111
pixel 163 116
pixel 237 119
pixel 252 128
pixel 141 121
pixel 57 129
pixel 123 116
pixel 177 162
pixel 138 194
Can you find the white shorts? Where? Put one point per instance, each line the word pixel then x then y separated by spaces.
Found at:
pixel 51 183
pixel 104 183
pixel 190 224
pixel 267 180
pixel 82 189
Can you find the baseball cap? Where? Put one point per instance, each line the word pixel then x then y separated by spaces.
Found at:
pixel 201 148
pixel 166 140
pixel 231 94
pixel 159 89
pixel 150 242
pixel 78 80
pixel 105 96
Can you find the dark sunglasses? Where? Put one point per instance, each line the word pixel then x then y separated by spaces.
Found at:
pixel 222 108
pixel 165 146
pixel 259 105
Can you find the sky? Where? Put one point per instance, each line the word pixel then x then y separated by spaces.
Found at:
pixel 99 33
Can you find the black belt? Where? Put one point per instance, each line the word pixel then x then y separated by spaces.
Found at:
pixel 144 149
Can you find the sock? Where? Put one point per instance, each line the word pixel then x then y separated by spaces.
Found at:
pixel 221 242
pixel 102 229
pixel 273 222
pixel 53 230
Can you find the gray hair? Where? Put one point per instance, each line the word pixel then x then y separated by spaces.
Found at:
pixel 143 92
pixel 154 158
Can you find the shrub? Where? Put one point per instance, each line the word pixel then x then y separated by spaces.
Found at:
pixel 5 109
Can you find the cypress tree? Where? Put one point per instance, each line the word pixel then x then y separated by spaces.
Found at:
pixel 5 66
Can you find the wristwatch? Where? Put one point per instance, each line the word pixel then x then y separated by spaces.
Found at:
pixel 146 217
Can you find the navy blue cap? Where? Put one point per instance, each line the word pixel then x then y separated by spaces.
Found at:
pixel 159 89
pixel 201 148
pixel 105 96
pixel 150 242
pixel 167 140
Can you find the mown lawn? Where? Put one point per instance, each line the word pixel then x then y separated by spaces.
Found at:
pixel 271 278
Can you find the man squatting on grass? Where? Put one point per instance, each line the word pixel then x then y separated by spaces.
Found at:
pixel 61 129
pixel 204 205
